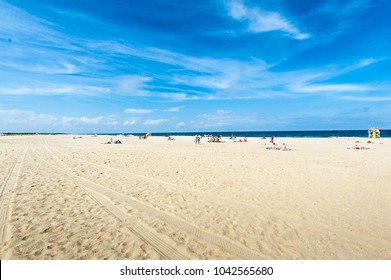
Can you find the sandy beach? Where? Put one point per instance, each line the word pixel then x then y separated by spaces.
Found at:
pixel 77 198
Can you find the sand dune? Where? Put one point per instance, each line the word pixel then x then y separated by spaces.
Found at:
pixel 65 198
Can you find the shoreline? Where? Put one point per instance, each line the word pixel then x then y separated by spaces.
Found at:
pixel 385 133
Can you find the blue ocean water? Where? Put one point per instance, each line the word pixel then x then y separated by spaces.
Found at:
pixel 385 133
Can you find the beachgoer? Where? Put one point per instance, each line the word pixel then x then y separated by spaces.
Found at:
pixel 197 139
pixel 272 139
pixel 284 148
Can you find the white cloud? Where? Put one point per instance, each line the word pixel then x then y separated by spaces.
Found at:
pixel 245 80
pixel 30 118
pixel 177 96
pixel 341 9
pixel 221 118
pixel 180 124
pixel 362 63
pixel 155 122
pixel 100 120
pixel 173 109
pixel 42 66
pixel 23 26
pixel 331 87
pixel 56 90
pixel 226 74
pixel 130 122
pixel 138 111
pixel 133 85
pixel 366 98
pixel 366 62
pixel 19 119
pixel 218 118
pixel 263 21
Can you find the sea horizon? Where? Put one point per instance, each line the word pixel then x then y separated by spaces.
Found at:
pixel 363 133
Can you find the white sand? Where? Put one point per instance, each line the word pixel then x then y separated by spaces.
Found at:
pixel 65 198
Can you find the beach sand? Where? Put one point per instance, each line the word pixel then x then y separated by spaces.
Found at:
pixel 66 198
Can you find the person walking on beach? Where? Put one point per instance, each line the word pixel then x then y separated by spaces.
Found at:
pixel 272 139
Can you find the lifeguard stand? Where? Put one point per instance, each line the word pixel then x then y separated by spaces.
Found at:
pixel 374 133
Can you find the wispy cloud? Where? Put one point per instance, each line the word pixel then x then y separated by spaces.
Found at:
pixel 177 96
pixel 53 57
pixel 155 122
pixel 23 27
pixel 40 120
pixel 130 122
pixel 56 90
pixel 341 9
pixel 361 64
pixel 313 88
pixel 180 124
pixel 173 109
pixel 263 21
pixel 338 16
pixel 138 111
pixel 366 98
pixel 31 118
pixel 133 85
pixel 100 120
pixel 41 66
pixel 223 118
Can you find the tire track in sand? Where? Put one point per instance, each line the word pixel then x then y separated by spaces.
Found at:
pixel 164 249
pixel 225 244
pixel 345 235
pixel 6 194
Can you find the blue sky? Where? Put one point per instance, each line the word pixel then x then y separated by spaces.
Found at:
pixel 82 66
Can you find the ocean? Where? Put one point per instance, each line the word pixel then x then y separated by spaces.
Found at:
pixel 385 133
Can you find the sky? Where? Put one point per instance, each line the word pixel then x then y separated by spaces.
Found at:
pixel 83 66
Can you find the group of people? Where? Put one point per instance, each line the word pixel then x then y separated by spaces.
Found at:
pixel 214 139
pixel 359 147
pixel 145 136
pixel 276 147
pixel 197 139
pixel 240 140
pixel 113 142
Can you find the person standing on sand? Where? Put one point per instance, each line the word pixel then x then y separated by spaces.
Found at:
pixel 272 139
pixel 197 139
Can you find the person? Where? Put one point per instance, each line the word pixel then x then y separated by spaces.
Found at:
pixel 197 139
pixel 272 139
pixel 284 148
